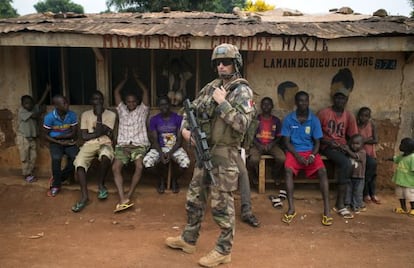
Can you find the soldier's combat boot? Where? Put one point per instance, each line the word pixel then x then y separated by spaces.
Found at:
pixel 179 243
pixel 214 258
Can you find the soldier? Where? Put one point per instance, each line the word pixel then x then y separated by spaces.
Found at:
pixel 225 110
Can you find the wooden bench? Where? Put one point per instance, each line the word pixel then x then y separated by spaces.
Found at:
pixel 262 173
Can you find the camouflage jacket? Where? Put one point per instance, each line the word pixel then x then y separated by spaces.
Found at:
pixel 225 124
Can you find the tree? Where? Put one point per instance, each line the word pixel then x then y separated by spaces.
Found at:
pixel 412 5
pixel 179 5
pixel 7 10
pixel 57 6
pixel 258 5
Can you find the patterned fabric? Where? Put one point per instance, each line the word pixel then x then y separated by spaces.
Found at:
pixel 132 128
pixel 58 126
pixel 166 129
pixel 367 132
pixel 180 157
pixel 88 121
pixel 130 153
pixel 222 207
pixel 335 127
pixel 225 126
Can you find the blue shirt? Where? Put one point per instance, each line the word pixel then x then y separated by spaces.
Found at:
pixel 58 126
pixel 302 135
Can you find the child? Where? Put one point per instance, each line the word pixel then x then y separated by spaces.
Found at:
pixel 404 176
pixel 355 189
pixel 368 131
pixel 27 133
pixel 266 140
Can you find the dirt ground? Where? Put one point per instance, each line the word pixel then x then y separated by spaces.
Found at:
pixel 39 231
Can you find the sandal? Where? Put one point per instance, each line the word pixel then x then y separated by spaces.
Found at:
pixel 282 194
pixel 79 206
pixel 400 211
pixel 288 218
pixel 103 193
pixel 30 178
pixel 276 201
pixel 344 212
pixel 327 221
pixel 411 213
pixel 123 206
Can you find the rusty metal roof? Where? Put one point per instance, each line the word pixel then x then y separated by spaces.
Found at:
pixel 196 24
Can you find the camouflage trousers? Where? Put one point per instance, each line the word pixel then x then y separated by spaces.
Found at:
pixel 222 201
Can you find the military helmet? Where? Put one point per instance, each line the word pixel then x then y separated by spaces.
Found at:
pixel 227 51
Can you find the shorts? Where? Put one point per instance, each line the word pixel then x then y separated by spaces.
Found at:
pixel 310 170
pixel 89 151
pixel 180 157
pixel 406 193
pixel 129 153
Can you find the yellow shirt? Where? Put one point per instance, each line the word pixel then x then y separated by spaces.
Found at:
pixel 88 121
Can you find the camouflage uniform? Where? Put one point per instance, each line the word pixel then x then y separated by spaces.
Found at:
pixel 225 126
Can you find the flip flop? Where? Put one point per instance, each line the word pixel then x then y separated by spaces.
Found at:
pixel 122 207
pixel 399 211
pixel 79 206
pixel 327 221
pixel 344 212
pixel 288 218
pixel 103 193
pixel 282 194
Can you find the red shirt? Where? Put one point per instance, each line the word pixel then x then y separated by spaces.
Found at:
pixel 366 132
pixel 337 127
pixel 268 129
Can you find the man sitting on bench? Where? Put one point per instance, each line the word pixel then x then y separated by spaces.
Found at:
pixel 301 131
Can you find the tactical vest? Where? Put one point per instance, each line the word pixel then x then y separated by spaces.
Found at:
pixel 217 130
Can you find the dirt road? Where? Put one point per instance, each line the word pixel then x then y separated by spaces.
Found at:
pixel 38 231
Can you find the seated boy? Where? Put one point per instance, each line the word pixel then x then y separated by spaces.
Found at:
pixel 165 136
pixel 96 128
pixel 301 132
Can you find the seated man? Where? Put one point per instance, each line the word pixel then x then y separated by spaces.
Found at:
pixel 166 140
pixel 301 132
pixel 267 139
pixel 97 125
pixel 132 143
pixel 61 127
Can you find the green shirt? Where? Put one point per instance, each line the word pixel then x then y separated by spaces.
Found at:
pixel 404 174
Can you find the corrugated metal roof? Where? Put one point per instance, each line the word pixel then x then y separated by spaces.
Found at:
pixel 196 24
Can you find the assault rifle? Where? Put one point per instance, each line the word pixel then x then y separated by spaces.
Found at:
pixel 202 150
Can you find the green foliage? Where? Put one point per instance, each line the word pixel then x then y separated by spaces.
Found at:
pixel 412 5
pixel 57 6
pixel 7 10
pixel 225 6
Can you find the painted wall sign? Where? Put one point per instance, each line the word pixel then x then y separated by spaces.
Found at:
pixel 327 62
pixel 253 43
